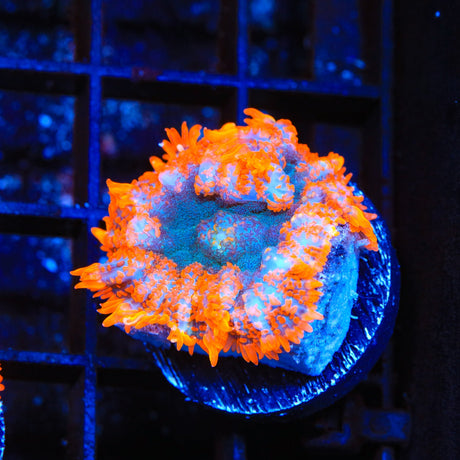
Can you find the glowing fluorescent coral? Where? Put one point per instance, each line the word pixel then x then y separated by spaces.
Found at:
pixel 223 246
pixel 2 387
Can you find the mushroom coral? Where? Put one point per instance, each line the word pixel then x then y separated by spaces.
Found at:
pixel 223 244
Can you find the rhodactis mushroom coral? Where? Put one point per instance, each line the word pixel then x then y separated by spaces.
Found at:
pixel 239 242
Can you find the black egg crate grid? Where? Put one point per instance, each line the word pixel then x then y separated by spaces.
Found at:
pixel 83 370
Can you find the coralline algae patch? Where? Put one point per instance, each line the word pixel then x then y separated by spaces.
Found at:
pixel 222 246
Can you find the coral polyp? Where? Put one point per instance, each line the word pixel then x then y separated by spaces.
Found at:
pixel 2 387
pixel 223 246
